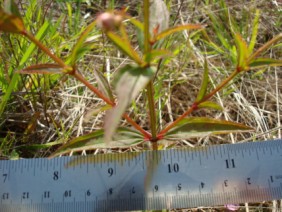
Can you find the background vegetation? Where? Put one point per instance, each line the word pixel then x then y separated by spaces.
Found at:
pixel 39 112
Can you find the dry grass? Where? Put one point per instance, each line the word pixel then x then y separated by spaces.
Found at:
pixel 254 100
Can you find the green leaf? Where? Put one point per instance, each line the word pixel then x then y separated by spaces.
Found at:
pixel 158 53
pixel 205 81
pixel 129 81
pixel 80 42
pixel 254 31
pixel 265 47
pixel 175 29
pixel 212 105
pixel 124 46
pixel 43 69
pixel 201 126
pixel 28 147
pixel 242 52
pixel 212 44
pixel 11 22
pixel 123 138
pixel 135 22
pixel 103 85
pixel 259 62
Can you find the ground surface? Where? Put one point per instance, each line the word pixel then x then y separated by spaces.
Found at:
pixel 43 110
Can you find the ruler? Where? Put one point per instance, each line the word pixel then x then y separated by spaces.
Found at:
pixel 175 178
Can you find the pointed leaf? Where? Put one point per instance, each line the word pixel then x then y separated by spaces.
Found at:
pixel 200 126
pixel 158 53
pixel 258 62
pixel 11 23
pixel 43 69
pixel 37 147
pixel 265 47
pixel 123 138
pixel 103 85
pixel 135 22
pixel 124 46
pixel 242 52
pixel 80 42
pixel 39 36
pixel 159 16
pixel 212 105
pixel 129 81
pixel 175 29
pixel 205 81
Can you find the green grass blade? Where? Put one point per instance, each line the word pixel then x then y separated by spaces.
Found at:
pixel 6 97
pixel 254 31
pixel 79 44
pixel 32 46
pixel 14 81
pixel 219 30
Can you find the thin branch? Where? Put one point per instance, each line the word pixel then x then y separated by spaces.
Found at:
pixel 195 104
pixel 46 50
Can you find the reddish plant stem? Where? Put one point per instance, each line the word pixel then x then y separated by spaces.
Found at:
pixel 46 50
pixel 137 127
pixel 221 85
pixel 195 104
pixel 80 78
pixel 264 47
pixel 173 124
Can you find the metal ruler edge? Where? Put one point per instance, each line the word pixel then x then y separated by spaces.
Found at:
pixel 174 178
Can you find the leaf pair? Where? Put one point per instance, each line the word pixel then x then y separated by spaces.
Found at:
pixel 247 59
pixel 123 138
pixel 201 126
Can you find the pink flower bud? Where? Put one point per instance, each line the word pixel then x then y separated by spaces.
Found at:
pixel 109 21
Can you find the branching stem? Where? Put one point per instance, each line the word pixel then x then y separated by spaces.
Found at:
pixel 80 78
pixel 71 71
pixel 195 105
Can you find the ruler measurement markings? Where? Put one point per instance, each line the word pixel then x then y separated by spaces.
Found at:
pixel 250 155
